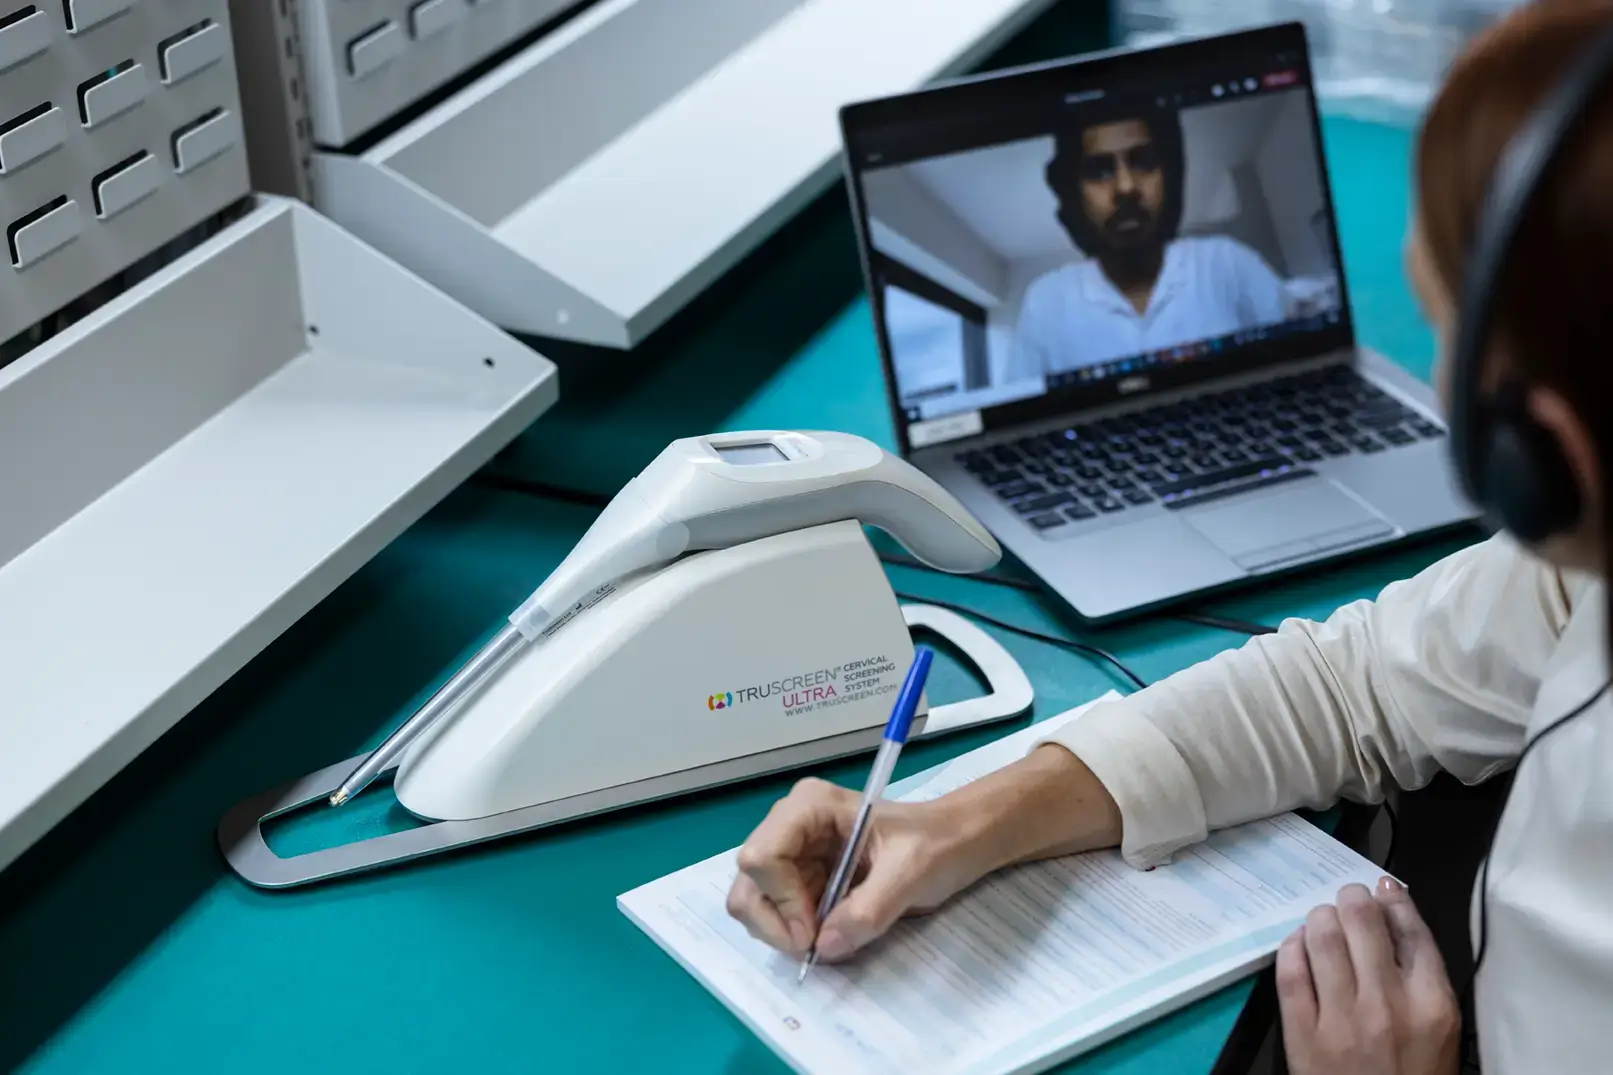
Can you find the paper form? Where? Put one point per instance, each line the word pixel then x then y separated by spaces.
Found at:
pixel 1026 969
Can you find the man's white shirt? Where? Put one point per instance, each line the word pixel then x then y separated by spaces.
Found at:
pixel 1208 286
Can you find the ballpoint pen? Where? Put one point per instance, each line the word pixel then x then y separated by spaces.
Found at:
pixel 890 748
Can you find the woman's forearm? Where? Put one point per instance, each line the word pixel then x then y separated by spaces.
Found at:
pixel 1044 805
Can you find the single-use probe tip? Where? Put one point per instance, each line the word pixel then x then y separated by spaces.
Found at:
pixel 339 798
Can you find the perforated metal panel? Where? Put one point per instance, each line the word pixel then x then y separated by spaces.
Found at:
pixel 368 59
pixel 120 129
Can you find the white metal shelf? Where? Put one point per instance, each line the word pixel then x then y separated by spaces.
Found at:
pixel 592 185
pixel 194 466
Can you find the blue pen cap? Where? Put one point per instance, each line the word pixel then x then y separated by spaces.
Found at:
pixel 907 702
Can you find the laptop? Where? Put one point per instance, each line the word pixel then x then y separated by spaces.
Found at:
pixel 1114 322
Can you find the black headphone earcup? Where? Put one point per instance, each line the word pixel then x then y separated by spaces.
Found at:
pixel 1528 483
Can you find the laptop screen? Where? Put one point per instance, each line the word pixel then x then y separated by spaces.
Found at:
pixel 1061 236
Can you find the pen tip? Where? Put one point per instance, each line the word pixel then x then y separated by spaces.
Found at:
pixel 339 798
pixel 800 975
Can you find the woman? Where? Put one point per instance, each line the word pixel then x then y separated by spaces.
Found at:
pixel 1454 670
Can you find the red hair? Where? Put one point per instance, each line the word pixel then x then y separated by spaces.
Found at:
pixel 1554 307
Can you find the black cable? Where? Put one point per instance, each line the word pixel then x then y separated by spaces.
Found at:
pixel 1225 623
pixel 996 578
pixel 1394 833
pixel 527 487
pixel 1201 619
pixel 1066 643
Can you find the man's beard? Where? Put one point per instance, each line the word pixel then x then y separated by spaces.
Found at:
pixel 1129 246
pixel 1130 227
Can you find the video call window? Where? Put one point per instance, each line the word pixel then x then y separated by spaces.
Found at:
pixel 1125 235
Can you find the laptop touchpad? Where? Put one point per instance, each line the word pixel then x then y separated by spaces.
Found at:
pixel 1292 521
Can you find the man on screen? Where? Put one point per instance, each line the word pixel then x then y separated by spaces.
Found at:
pixel 1119 185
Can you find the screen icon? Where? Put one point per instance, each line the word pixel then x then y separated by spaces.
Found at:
pixel 1218 90
pixel 1250 84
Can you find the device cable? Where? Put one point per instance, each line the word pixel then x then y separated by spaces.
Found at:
pixel 527 487
pixel 1394 833
pixel 1054 640
pixel 1226 623
pixel 997 578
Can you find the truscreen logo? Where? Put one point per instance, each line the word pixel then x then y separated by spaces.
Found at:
pixel 719 701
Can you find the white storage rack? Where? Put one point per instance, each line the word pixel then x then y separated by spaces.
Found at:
pixel 120 128
pixel 595 214
pixel 194 463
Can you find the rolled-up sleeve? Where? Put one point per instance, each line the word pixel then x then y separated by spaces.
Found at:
pixel 1440 672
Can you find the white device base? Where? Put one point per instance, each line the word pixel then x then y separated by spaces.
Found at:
pixel 603 723
pixel 191 468
pixel 610 210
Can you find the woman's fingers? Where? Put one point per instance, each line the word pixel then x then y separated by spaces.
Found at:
pixel 879 898
pixel 751 907
pixel 1296 994
pixel 784 858
pixel 1329 956
pixel 1416 951
pixel 1366 934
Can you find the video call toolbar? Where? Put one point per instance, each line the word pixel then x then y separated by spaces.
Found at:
pixel 1172 356
pixel 1189 352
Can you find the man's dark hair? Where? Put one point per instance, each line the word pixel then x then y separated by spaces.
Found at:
pixel 1064 173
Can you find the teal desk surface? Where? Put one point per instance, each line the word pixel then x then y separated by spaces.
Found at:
pixel 125 944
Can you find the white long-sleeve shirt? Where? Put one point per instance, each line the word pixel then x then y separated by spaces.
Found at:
pixel 1455 669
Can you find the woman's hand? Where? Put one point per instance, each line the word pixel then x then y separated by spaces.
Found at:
pixel 918 855
pixel 915 860
pixel 1363 990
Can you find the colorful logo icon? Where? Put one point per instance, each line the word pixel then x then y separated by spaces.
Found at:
pixel 719 701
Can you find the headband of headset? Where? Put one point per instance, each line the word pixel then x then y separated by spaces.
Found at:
pixel 1510 195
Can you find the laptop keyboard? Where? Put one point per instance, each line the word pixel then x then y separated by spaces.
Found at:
pixel 1196 450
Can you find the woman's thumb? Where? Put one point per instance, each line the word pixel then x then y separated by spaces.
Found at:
pixel 868 910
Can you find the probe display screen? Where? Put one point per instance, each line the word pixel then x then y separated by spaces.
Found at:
pixel 750 455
